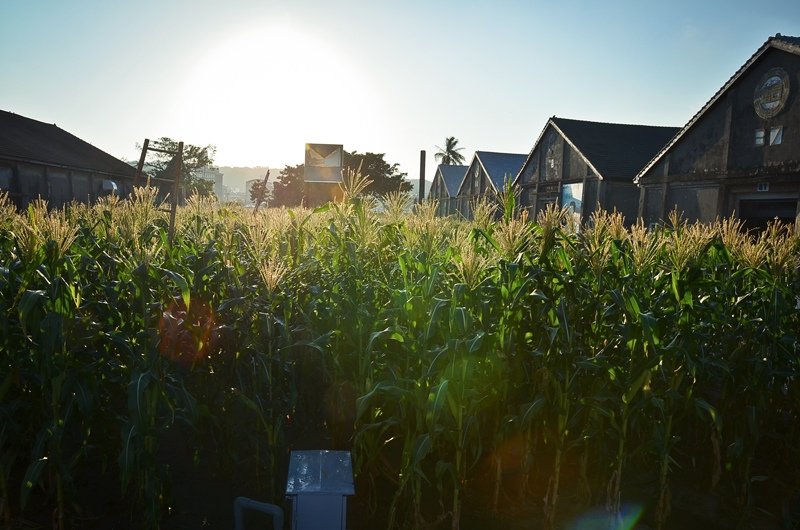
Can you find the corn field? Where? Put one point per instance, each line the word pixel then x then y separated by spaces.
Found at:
pixel 472 367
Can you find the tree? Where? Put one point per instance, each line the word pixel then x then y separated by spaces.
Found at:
pixel 385 177
pixel 449 154
pixel 163 165
pixel 288 188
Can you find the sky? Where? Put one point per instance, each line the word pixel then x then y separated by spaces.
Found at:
pixel 259 79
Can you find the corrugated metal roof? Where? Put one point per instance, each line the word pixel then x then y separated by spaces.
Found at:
pixel 452 176
pixel 29 140
pixel 781 42
pixel 617 151
pixel 499 166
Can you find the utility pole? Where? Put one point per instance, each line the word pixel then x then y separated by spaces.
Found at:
pixel 421 176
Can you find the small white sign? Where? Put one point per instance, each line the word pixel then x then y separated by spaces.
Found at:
pixel 762 186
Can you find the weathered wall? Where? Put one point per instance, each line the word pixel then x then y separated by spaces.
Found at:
pixel 552 156
pixel 82 186
pixel 590 197
pixel 552 161
pixel 651 201
pixel 59 190
pixel 622 197
pixel 530 172
pixel 744 156
pixel 717 162
pixel 6 178
pixel 32 183
pixel 575 167
pixel 722 142
pixel 696 202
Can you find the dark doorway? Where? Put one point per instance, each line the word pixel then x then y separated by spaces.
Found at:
pixel 757 213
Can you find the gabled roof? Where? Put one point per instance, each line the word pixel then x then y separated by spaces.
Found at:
pixel 27 140
pixel 452 176
pixel 780 42
pixel 497 166
pixel 613 150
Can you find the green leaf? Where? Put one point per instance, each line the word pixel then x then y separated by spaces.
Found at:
pixel 650 328
pixel 249 403
pixel 531 411
pixel 632 305
pixel 136 388
pixel 363 402
pixel 712 411
pixel 675 277
pixel 460 321
pixel 539 295
pixel 375 335
pixel 476 342
pixel 422 446
pixel 182 284
pixel 230 303
pixel 479 232
pixel 32 475
pixel 30 301
pixel 637 384
pixel 437 401
pixel 436 315
pixel 127 457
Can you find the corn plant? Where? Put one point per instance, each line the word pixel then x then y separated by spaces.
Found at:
pixel 614 359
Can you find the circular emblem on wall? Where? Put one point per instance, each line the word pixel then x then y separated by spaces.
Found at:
pixel 771 93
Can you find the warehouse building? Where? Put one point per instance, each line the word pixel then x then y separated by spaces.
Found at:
pixel 485 177
pixel 444 188
pixel 583 165
pixel 740 154
pixel 42 160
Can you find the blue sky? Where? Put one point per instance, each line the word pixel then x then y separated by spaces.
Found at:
pixel 258 79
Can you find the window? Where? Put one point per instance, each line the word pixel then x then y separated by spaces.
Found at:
pixel 776 135
pixel 759 136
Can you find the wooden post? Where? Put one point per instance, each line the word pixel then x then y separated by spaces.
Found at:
pixel 421 176
pixel 175 188
pixel 140 165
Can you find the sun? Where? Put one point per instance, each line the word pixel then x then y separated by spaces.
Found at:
pixel 261 94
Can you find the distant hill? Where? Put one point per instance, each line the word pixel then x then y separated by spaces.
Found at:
pixel 415 190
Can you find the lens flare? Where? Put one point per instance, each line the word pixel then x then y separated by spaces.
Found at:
pixel 185 336
pixel 601 520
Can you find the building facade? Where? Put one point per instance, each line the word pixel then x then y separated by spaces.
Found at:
pixel 584 165
pixel 740 154
pixel 485 177
pixel 39 159
pixel 444 188
pixel 214 175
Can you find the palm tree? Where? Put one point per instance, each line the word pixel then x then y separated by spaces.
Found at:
pixel 449 154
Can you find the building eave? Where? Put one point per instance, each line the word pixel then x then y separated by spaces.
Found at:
pixel 772 42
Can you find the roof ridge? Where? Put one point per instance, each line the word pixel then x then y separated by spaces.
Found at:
pixel 616 123
pixel 770 42
pixel 31 119
pixel 24 138
pixel 499 153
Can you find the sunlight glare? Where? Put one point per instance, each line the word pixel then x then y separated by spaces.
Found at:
pixel 261 94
